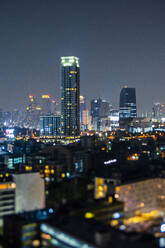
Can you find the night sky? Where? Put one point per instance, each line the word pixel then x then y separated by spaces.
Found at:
pixel 119 42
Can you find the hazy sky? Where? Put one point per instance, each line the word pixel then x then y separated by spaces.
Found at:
pixel 118 42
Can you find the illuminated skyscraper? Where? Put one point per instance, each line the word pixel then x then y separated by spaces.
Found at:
pixel 127 105
pixel 70 96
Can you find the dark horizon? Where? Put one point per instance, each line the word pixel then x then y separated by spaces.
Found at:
pixel 118 43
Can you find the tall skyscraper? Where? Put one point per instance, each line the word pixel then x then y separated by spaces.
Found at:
pixel 70 96
pixel 127 109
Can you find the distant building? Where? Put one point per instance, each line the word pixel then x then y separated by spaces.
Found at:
pixel 50 125
pixel 33 112
pixel 45 104
pixel 127 106
pixel 82 108
pixel 70 96
pixel 99 109
pixel 114 119
pixel 158 110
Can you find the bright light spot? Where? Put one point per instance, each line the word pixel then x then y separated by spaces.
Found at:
pixel 122 227
pixel 51 211
pixel 110 161
pixel 68 174
pixel 36 243
pixel 116 196
pixel 162 228
pixel 114 223
pixel 89 215
pixel 116 215
pixel 63 175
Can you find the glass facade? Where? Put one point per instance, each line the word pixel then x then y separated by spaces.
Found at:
pixel 127 104
pixel 50 125
pixel 70 96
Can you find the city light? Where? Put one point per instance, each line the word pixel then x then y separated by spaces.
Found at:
pixel 162 228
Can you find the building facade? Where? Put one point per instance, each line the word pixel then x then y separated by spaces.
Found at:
pixel 70 96
pixel 50 125
pixel 127 105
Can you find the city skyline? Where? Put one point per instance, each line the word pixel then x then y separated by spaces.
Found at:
pixel 124 47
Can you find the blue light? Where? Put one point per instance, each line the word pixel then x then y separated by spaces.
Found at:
pixel 51 211
pixel 162 228
pixel 116 215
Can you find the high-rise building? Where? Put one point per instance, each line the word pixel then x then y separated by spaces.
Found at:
pixel 45 104
pixel 82 107
pixel 127 105
pixel 33 112
pixel 50 125
pixel 70 96
pixel 99 108
pixel 95 108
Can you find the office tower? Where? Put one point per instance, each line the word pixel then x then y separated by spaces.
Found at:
pixel 114 119
pixel 82 108
pixel 33 112
pixel 127 106
pixel 104 108
pixel 95 108
pixel 86 120
pixel 70 96
pixel 45 104
pixel 99 108
pixel 50 125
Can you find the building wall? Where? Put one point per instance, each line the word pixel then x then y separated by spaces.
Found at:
pixel 7 201
pixel 30 192
pixel 127 104
pixel 144 196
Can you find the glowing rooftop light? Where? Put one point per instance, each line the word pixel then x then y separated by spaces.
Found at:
pixel 70 61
